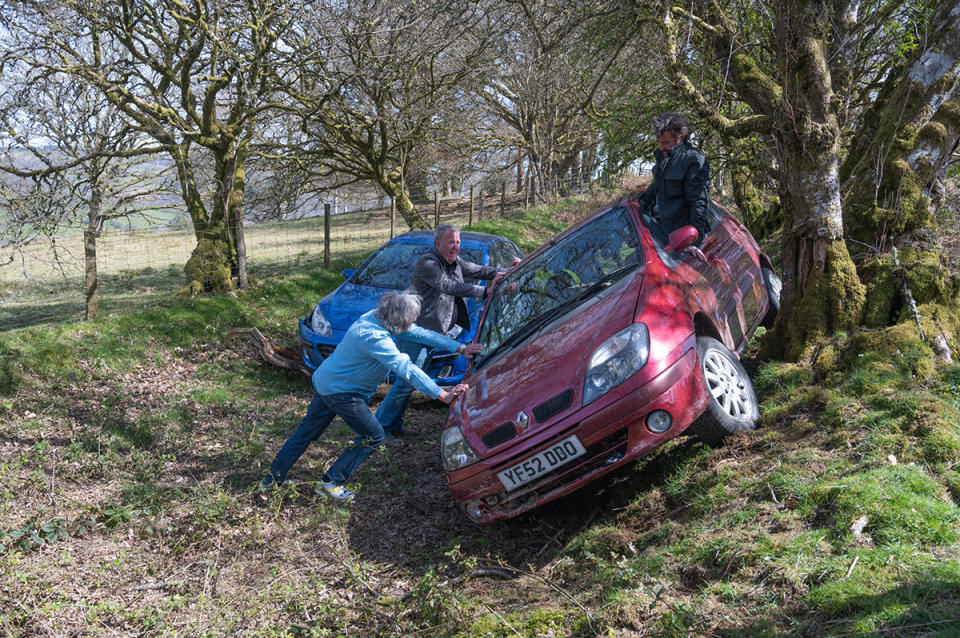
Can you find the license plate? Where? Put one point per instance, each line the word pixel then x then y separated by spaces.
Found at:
pixel 542 462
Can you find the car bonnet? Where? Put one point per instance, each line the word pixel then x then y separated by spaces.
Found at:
pixel 546 365
pixel 345 304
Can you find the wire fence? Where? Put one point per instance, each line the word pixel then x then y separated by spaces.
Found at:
pixel 43 282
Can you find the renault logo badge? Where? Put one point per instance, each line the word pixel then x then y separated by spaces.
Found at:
pixel 522 420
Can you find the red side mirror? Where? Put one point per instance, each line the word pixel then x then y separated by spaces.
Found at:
pixel 681 238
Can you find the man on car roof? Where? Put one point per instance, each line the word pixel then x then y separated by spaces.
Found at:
pixel 679 194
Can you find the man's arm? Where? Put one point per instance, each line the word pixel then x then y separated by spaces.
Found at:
pixel 385 351
pixel 430 338
pixel 476 271
pixel 696 192
pixel 428 272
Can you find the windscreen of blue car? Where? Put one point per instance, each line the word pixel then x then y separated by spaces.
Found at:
pixel 392 267
pixel 571 271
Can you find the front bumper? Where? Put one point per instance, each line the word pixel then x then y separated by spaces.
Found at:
pixel 612 436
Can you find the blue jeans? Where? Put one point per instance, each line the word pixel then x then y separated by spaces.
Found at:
pixel 323 408
pixel 391 410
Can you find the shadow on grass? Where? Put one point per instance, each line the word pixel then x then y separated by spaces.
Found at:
pixel 404 513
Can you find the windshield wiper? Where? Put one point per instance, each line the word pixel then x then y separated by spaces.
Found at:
pixel 527 330
pixel 542 319
pixel 605 281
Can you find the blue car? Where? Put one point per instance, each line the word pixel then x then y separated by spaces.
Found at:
pixel 391 268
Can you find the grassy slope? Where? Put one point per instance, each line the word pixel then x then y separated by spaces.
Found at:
pixel 128 447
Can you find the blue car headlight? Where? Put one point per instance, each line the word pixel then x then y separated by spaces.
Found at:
pixel 319 324
pixel 616 360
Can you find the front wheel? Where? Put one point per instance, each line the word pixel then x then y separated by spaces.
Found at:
pixel 733 401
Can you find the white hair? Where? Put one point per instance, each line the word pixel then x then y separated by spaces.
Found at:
pixel 397 311
pixel 441 230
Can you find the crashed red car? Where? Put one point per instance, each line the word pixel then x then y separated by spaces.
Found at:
pixel 606 342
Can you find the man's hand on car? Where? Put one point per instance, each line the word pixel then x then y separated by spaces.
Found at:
pixel 448 396
pixel 470 349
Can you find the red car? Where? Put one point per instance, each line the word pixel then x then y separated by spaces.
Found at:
pixel 606 342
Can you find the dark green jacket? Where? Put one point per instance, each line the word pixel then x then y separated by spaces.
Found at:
pixel 679 194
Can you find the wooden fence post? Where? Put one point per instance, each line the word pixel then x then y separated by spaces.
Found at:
pixel 326 235
pixel 436 208
pixel 503 198
pixel 470 218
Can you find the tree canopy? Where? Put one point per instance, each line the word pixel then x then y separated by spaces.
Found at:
pixel 835 121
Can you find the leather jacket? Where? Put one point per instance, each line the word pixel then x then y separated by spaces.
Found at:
pixel 442 289
pixel 679 194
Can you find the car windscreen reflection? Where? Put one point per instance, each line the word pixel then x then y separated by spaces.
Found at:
pixel 559 279
pixel 392 267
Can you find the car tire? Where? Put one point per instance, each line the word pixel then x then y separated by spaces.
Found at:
pixel 733 403
pixel 773 285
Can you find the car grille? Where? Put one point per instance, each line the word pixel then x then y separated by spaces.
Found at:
pixel 325 349
pixel 553 405
pixel 500 435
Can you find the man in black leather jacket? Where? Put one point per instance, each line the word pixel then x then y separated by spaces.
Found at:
pixel 438 280
pixel 679 194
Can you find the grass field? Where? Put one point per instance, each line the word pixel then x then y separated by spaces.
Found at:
pixel 130 447
pixel 44 281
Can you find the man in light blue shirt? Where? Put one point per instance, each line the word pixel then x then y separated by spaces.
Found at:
pixel 345 381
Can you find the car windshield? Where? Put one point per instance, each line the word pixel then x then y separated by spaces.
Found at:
pixel 392 267
pixel 558 279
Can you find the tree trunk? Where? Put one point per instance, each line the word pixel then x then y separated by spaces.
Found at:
pixel 90 233
pixel 821 291
pixel 761 219
pixel 393 187
pixel 91 279
pixel 213 262
pixel 520 174
pixel 235 214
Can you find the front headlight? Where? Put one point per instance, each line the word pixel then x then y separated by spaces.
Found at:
pixel 616 360
pixel 455 450
pixel 319 324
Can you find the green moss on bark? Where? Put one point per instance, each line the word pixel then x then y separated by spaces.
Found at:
pixel 882 295
pixel 832 301
pixel 208 269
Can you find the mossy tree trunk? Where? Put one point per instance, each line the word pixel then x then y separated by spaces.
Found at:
pixel 892 177
pixel 214 265
pixel 821 290
pixel 392 185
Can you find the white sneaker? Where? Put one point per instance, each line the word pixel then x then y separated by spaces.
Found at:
pixel 335 491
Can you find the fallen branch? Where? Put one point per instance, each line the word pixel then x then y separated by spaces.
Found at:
pixel 280 357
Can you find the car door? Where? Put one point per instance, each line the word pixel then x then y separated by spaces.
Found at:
pixel 738 287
